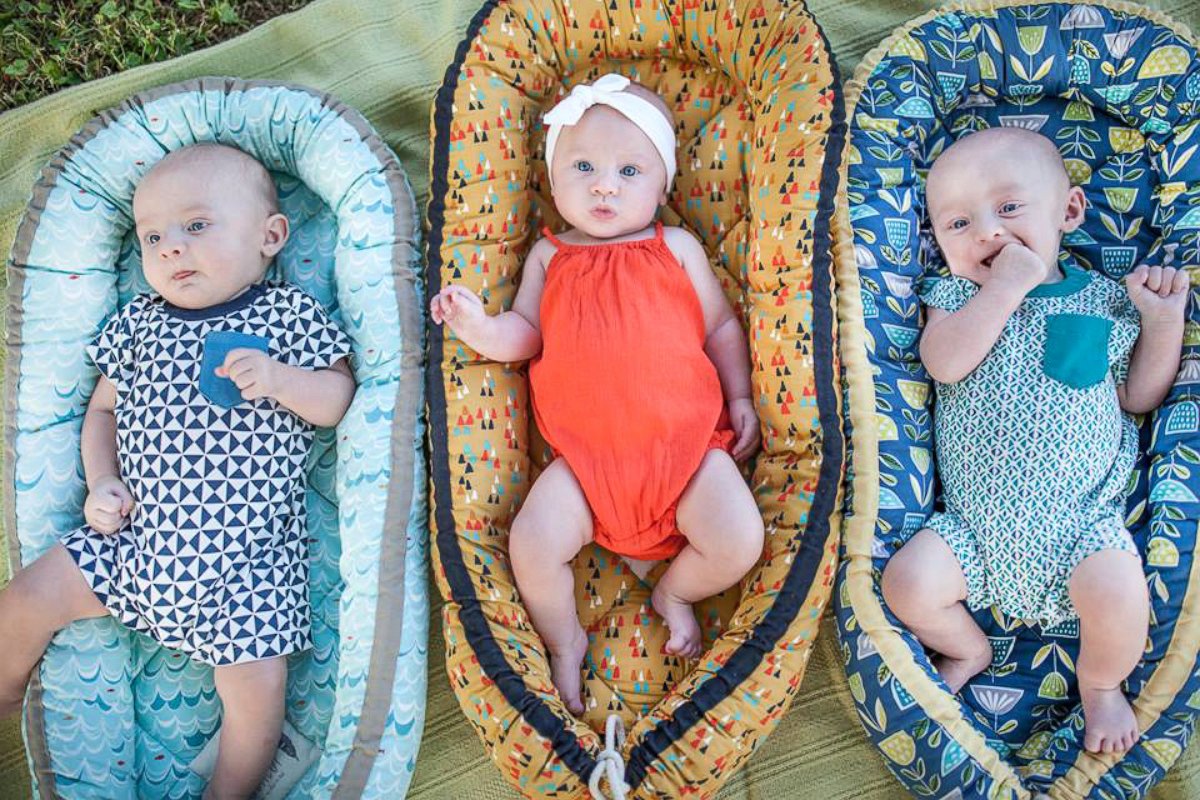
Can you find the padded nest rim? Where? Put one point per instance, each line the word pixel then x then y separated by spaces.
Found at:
pixel 401 491
pixel 800 579
pixel 859 593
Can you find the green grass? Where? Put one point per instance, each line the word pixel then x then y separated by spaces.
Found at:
pixel 46 46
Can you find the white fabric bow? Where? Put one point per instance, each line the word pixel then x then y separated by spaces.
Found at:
pixel 609 90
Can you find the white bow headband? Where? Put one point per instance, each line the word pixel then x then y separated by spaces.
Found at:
pixel 609 91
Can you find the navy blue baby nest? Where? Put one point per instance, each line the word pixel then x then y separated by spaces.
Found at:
pixel 1116 88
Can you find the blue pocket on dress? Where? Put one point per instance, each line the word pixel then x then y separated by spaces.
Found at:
pixel 1076 351
pixel 223 391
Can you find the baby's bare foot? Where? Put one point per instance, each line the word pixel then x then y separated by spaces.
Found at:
pixel 1109 723
pixel 681 622
pixel 564 671
pixel 957 671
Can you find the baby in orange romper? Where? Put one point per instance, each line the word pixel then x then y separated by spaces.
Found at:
pixel 640 380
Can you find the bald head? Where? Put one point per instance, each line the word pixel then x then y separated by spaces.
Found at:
pixel 228 165
pixel 1002 150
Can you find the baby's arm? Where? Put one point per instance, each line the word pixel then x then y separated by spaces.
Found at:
pixel 955 343
pixel 510 335
pixel 108 501
pixel 1160 295
pixel 318 396
pixel 725 341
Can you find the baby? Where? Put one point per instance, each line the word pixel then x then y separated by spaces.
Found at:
pixel 640 380
pixel 179 463
pixel 1034 360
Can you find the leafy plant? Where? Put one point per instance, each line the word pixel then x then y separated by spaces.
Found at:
pixel 46 46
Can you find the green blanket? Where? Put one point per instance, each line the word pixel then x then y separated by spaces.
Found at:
pixel 387 59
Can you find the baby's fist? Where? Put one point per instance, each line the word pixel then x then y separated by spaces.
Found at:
pixel 255 373
pixel 460 308
pixel 745 428
pixel 107 505
pixel 1160 294
pixel 1019 267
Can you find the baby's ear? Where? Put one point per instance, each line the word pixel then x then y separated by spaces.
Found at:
pixel 275 234
pixel 1076 206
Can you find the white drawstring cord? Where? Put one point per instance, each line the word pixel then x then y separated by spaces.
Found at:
pixel 609 763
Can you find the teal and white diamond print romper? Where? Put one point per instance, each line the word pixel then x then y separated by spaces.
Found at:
pixel 1033 450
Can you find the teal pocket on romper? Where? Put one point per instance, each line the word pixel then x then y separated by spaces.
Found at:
pixel 1076 349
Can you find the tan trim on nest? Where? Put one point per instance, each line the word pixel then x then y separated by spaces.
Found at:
pixel 1167 680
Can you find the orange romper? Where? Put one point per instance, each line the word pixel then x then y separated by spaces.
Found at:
pixel 623 389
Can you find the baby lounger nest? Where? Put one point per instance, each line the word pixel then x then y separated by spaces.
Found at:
pixel 753 89
pixel 1115 87
pixel 111 713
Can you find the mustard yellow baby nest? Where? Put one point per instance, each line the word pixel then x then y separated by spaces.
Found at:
pixel 760 132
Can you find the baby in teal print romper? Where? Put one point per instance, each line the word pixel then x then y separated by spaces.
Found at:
pixel 1035 362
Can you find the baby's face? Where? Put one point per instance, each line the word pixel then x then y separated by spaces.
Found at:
pixel 608 179
pixel 987 194
pixel 203 232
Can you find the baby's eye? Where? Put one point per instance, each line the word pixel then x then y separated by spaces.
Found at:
pixel 583 166
pixel 1009 208
pixel 151 238
pixel 197 226
pixel 629 171
pixel 958 224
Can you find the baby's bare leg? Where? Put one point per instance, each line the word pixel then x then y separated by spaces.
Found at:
pixel 1108 589
pixel 724 529
pixel 551 527
pixel 924 586
pixel 252 706
pixel 47 595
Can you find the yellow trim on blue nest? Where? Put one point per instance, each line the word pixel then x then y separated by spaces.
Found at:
pixel 859 526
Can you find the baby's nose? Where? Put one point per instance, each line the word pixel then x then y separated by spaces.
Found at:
pixel 990 229
pixel 171 248
pixel 603 185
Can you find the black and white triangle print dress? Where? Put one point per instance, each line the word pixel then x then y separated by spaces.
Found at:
pixel 213 560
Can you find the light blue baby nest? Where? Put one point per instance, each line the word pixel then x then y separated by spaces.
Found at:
pixel 111 714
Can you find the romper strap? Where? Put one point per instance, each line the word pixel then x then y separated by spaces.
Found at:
pixel 553 239
pixel 658 230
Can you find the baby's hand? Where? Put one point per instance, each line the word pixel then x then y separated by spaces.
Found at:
pixel 745 427
pixel 1019 268
pixel 460 308
pixel 254 372
pixel 1160 294
pixel 108 504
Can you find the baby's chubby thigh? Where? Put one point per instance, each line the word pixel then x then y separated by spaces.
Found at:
pixel 925 584
pixel 1106 570
pixel 719 518
pixel 554 523
pixel 252 701
pixel 923 578
pixel 1108 590
pixel 42 598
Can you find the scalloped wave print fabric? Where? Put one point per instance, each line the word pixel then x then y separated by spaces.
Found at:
pixel 110 712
